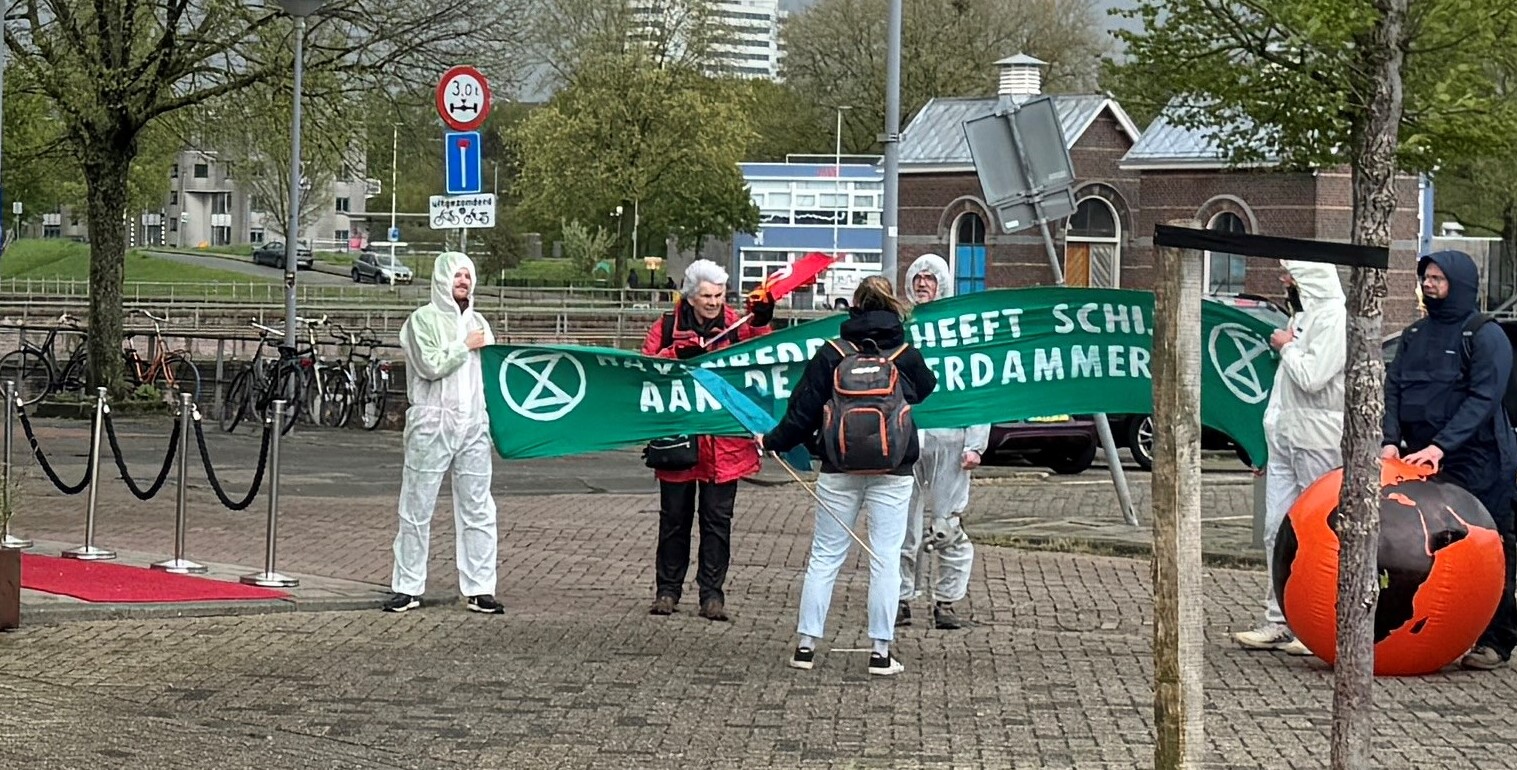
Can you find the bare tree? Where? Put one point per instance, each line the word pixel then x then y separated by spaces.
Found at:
pixel 835 52
pixel 111 68
pixel 567 34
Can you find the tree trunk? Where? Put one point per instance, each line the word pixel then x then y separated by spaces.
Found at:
pixel 105 175
pixel 1358 526
pixel 1179 664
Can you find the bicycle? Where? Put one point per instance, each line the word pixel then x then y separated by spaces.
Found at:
pixel 263 381
pixel 361 380
pixel 35 369
pixel 170 371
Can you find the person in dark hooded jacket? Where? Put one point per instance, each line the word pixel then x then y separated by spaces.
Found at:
pixel 1445 407
pixel 876 316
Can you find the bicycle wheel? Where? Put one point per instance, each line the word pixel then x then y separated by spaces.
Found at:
pixel 75 379
pixel 31 373
pixel 336 398
pixel 288 384
pixel 234 401
pixel 372 394
pixel 178 375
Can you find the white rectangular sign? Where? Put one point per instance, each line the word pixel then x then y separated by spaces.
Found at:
pixel 451 212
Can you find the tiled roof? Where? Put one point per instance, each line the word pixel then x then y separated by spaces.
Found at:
pixel 1166 142
pixel 936 135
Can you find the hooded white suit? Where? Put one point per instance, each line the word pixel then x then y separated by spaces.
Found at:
pixel 941 483
pixel 446 426
pixel 1303 423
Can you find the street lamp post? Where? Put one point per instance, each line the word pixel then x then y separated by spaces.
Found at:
pixel 837 175
pixel 890 217
pixel 299 10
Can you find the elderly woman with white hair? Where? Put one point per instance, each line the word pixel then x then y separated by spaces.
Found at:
pixel 700 322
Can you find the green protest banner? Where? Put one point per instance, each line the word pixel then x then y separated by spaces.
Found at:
pixel 1000 356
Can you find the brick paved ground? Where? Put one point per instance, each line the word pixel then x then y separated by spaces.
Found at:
pixel 1056 675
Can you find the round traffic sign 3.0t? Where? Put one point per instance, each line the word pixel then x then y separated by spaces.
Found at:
pixel 463 98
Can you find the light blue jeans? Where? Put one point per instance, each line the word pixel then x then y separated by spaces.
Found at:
pixel 887 498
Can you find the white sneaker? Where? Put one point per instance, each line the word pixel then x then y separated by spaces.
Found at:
pixel 1270 636
pixel 1295 647
pixel 884 665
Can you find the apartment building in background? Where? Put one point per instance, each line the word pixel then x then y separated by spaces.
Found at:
pixel 745 33
pixel 208 205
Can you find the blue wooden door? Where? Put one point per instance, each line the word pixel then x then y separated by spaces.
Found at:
pixel 969 268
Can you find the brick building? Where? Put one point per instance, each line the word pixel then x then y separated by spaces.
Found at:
pixel 1127 181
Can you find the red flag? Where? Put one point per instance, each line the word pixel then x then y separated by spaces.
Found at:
pixel 802 272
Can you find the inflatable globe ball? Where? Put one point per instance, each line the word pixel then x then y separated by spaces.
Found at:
pixel 1439 562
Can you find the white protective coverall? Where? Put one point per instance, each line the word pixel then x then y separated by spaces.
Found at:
pixel 446 426
pixel 1303 423
pixel 942 484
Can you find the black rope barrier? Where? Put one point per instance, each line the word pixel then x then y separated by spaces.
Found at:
pixel 210 473
pixel 47 468
pixel 163 473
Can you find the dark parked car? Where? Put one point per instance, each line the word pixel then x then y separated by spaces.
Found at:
pixel 1061 443
pixel 380 268
pixel 272 254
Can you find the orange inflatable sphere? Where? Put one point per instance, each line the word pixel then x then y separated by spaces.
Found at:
pixel 1439 562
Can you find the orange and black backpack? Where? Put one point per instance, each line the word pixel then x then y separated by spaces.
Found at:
pixel 866 425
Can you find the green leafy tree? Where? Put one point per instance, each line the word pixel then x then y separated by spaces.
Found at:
pixel 112 68
pixel 1325 83
pixel 586 247
pixel 1480 191
pixel 835 53
pixel 666 144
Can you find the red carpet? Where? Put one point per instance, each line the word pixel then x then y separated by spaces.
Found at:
pixel 102 581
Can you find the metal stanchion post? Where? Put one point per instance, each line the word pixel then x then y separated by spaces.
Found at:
pixel 268 577
pixel 88 551
pixel 7 540
pixel 179 564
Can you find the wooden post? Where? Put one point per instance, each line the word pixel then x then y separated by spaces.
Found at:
pixel 1178 661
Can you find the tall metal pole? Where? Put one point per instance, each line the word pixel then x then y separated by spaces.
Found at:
pixel 394 163
pixel 270 578
pixel 4 58
pixel 837 176
pixel 292 233
pixel 179 564
pixel 890 217
pixel 9 540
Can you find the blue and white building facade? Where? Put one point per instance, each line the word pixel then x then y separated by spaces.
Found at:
pixel 807 207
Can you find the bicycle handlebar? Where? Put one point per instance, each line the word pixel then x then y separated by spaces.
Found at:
pixel 150 315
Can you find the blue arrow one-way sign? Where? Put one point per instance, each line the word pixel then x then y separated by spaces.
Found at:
pixel 463 163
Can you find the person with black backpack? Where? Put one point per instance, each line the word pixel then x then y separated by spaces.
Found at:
pixel 852 405
pixel 1443 401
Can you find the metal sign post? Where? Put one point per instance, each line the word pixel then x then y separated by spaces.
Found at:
pixel 1022 160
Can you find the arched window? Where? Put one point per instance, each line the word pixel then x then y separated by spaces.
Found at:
pixel 969 254
pixel 1225 273
pixel 1093 245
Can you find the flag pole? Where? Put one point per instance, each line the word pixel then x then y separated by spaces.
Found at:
pixel 822 505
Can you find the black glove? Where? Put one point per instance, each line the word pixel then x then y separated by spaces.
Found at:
pixel 683 352
pixel 762 311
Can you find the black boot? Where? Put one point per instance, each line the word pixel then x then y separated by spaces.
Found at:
pixel 902 614
pixel 944 617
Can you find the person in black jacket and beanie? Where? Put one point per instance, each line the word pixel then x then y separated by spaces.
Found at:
pixel 876 316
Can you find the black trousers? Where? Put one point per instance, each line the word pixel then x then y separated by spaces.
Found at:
pixel 1501 634
pixel 677 511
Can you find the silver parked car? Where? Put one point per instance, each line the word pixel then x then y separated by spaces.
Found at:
pixel 380 268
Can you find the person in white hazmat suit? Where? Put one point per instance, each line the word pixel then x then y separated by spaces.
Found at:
pixel 1303 423
pixel 942 484
pixel 446 427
